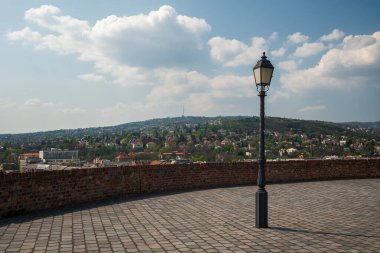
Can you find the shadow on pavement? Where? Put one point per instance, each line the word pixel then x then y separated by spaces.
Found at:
pixel 292 230
pixel 51 212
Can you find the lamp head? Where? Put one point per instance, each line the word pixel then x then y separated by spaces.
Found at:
pixel 263 72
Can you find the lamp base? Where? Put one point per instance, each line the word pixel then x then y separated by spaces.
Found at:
pixel 261 208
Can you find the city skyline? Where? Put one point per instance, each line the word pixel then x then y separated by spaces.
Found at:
pixel 89 64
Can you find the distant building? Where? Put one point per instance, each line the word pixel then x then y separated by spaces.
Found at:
pixel 331 157
pixel 101 162
pixel 26 159
pixel 225 141
pixel 137 145
pixel 8 167
pixel 174 155
pixel 123 158
pixel 43 167
pixel 151 145
pixel 269 152
pixel 158 162
pixel 57 156
pixel 291 150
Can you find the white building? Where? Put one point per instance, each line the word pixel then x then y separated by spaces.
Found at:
pixel 291 150
pixel 57 156
pixel 342 143
pixel 137 145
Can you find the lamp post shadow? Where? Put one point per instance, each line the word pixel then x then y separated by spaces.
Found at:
pixel 303 231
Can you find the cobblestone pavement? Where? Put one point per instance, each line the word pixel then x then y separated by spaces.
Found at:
pixel 329 216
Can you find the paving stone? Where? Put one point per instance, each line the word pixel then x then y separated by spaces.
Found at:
pixel 328 216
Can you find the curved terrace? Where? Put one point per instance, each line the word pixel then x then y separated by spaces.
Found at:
pixel 327 216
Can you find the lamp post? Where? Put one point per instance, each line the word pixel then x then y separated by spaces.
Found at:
pixel 262 72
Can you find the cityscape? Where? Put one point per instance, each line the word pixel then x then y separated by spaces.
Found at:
pixel 172 126
pixel 188 140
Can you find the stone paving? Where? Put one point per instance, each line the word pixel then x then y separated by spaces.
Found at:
pixel 329 216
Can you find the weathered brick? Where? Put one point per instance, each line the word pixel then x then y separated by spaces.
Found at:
pixel 52 189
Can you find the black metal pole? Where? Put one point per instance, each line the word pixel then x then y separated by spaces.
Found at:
pixel 261 194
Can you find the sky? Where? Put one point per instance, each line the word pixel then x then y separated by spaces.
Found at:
pixel 77 64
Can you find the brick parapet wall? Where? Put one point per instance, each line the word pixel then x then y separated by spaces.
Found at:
pixel 52 189
pixel 174 177
pixel 311 170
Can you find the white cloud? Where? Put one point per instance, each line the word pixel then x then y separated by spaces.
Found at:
pixel 200 94
pixel 232 86
pixel 91 77
pixel 144 49
pixel 309 49
pixel 313 108
pixel 177 87
pixel 223 50
pixel 5 104
pixel 273 36
pixel 153 40
pixel 71 110
pixel 334 35
pixel 355 63
pixel 290 65
pixel 298 38
pixel 234 53
pixel 26 36
pixel 277 95
pixel 159 49
pixel 47 16
pixel 123 47
pixel 279 52
pixel 35 114
pixel 122 110
pixel 34 104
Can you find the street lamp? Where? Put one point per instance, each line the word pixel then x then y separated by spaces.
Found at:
pixel 263 74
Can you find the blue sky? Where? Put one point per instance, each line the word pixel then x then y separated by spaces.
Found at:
pixel 70 64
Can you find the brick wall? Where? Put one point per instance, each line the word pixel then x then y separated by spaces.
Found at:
pixel 51 189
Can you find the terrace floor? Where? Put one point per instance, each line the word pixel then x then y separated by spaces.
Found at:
pixel 327 216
